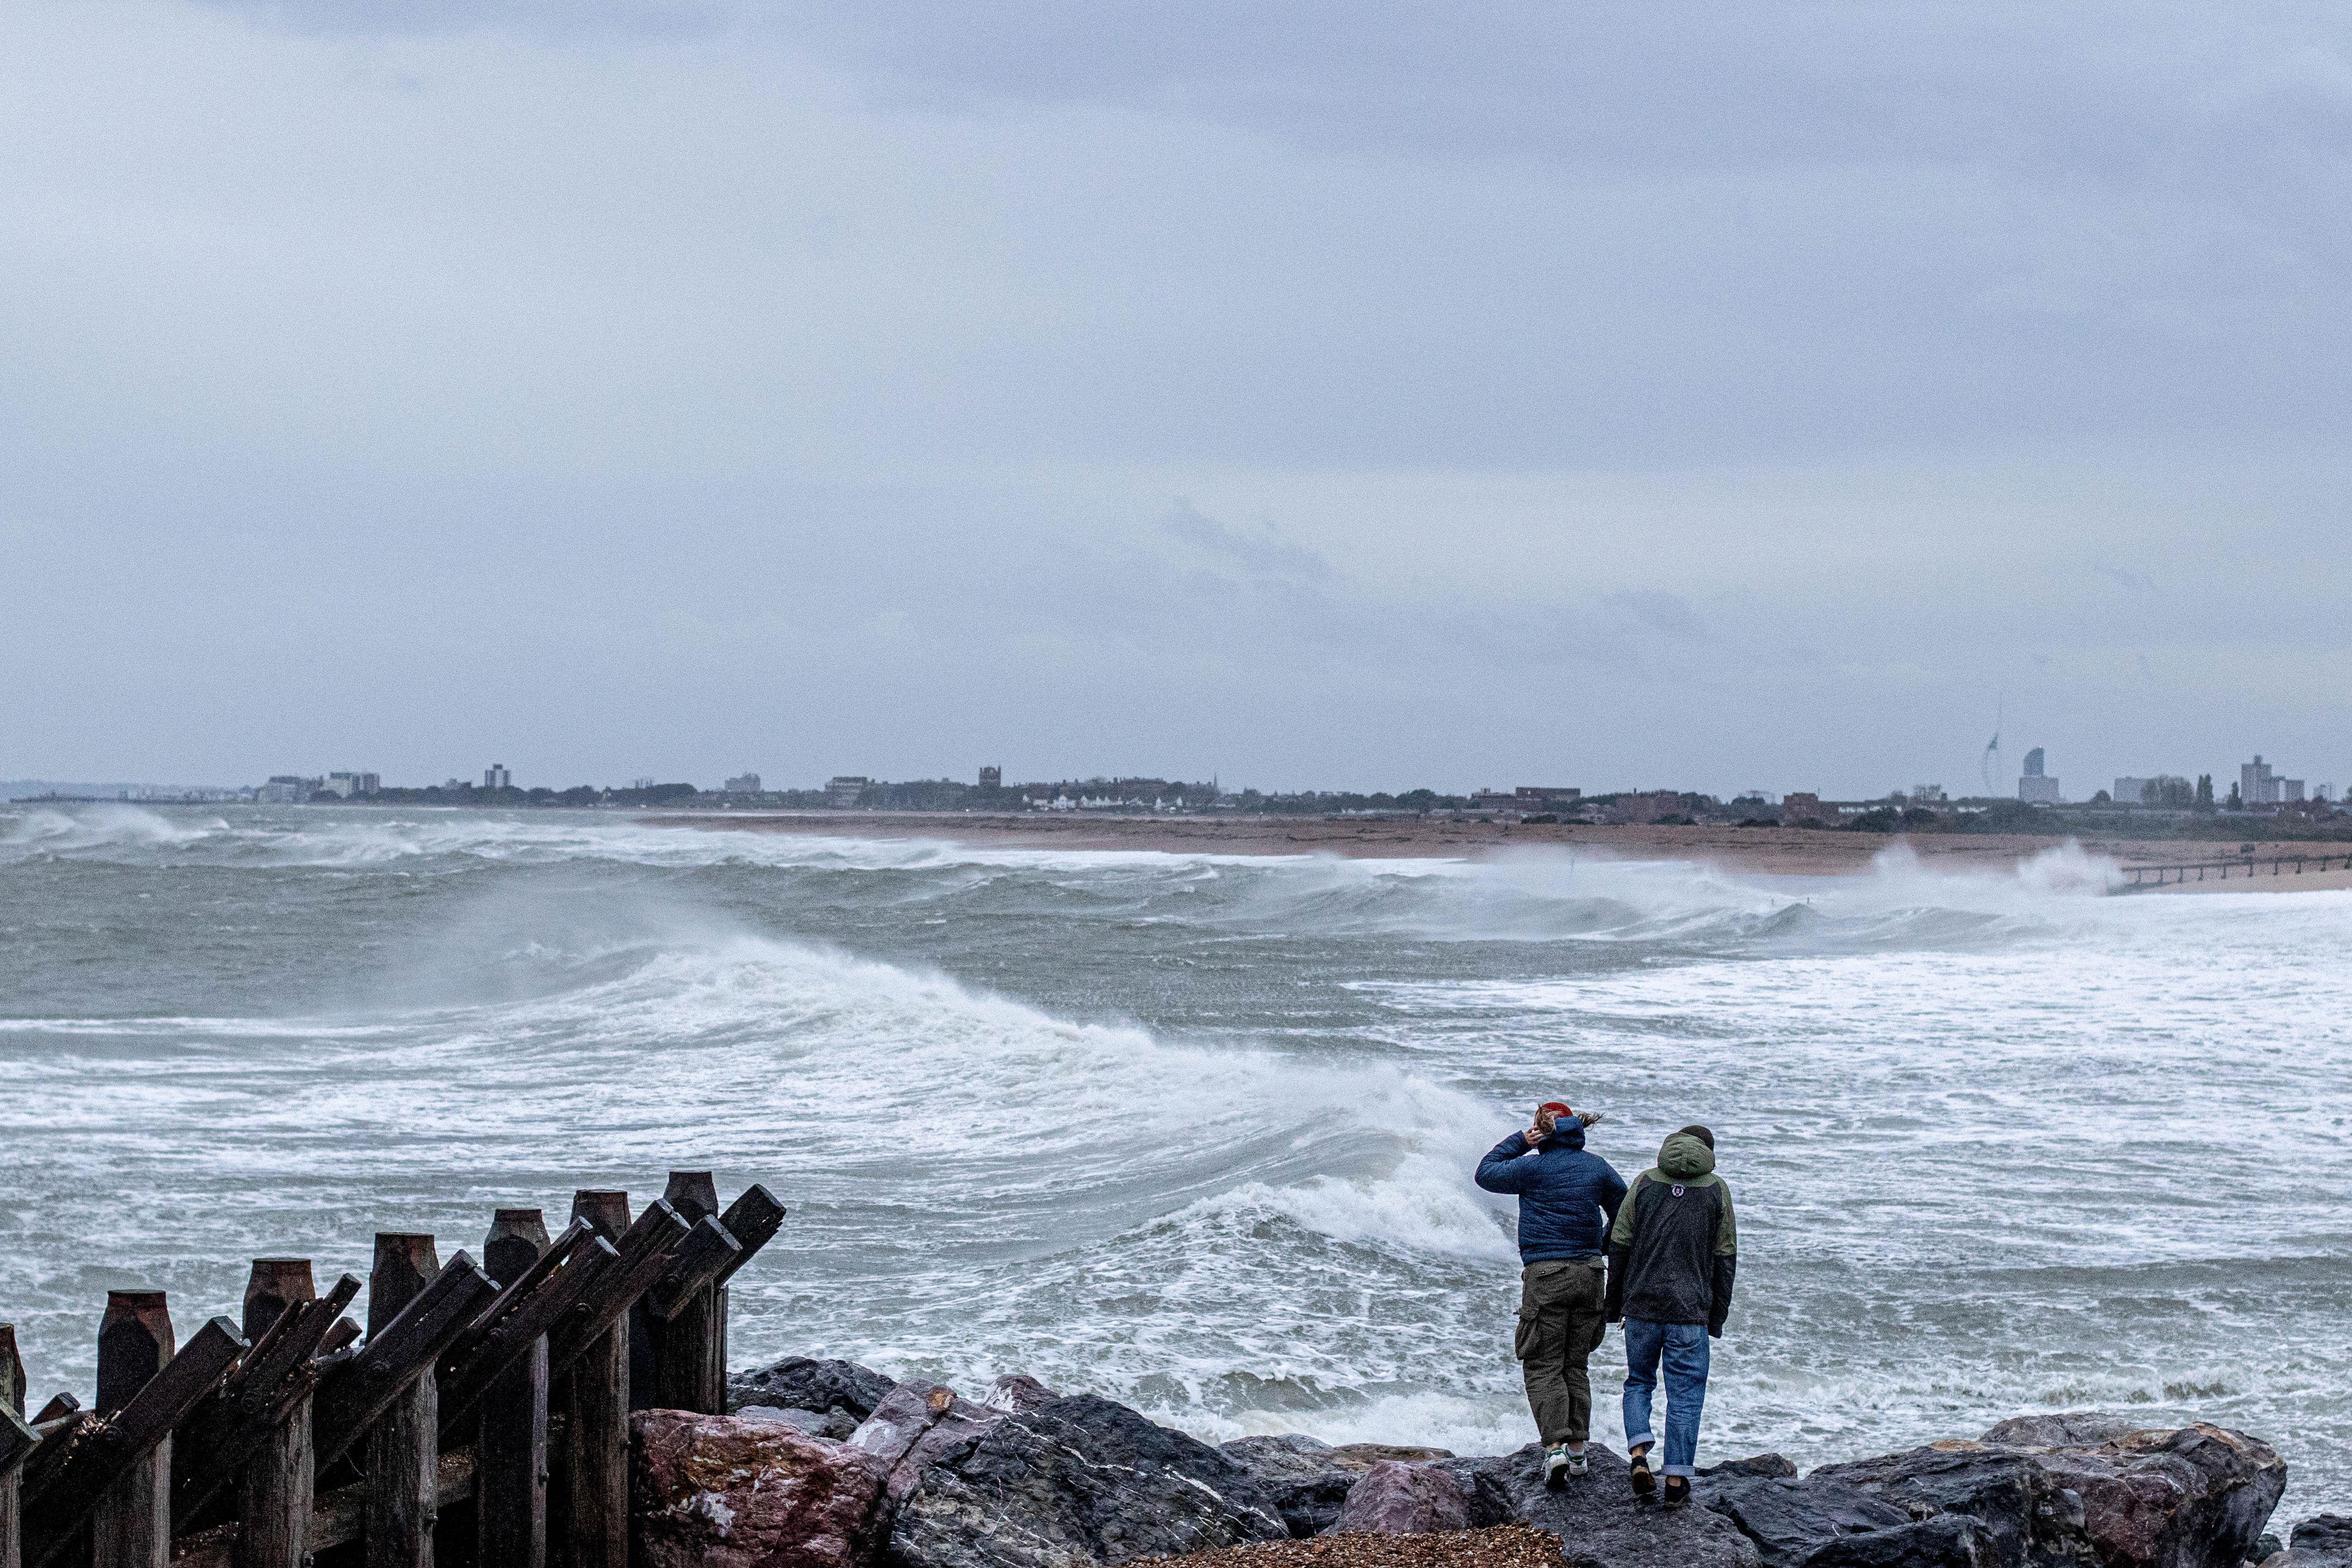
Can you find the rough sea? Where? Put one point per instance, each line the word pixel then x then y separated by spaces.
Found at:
pixel 1196 1132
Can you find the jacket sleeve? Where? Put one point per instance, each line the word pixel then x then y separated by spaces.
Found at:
pixel 1621 1254
pixel 1500 1171
pixel 1726 1265
pixel 1612 1194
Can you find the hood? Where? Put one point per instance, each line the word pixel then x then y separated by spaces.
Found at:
pixel 1683 1156
pixel 1568 1132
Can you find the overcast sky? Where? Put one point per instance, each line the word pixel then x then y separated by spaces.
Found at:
pixel 1354 395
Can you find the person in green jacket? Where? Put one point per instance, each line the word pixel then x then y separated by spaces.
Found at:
pixel 1672 1252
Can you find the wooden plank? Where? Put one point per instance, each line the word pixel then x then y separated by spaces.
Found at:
pixel 273 1508
pixel 693 1266
pixel 17 1441
pixel 752 1219
pixel 553 1304
pixel 259 1402
pixel 59 1407
pixel 353 1398
pixel 115 1470
pixel 687 1374
pixel 589 1503
pixel 400 1503
pixel 340 1517
pixel 644 1256
pixel 131 1521
pixel 526 1279
pixel 510 1455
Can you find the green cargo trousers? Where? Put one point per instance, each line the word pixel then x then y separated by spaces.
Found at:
pixel 1560 1325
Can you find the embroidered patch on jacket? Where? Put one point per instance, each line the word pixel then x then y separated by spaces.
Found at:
pixel 1678 1189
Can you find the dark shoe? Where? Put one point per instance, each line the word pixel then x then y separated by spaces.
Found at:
pixel 1677 1491
pixel 1640 1478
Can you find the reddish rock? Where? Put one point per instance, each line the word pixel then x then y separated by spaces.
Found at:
pixel 711 1491
pixel 2159 1498
pixel 1399 1498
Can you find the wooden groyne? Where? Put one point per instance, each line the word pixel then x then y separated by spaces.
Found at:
pixel 2221 871
pixel 288 1432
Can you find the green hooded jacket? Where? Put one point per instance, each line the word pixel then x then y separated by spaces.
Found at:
pixel 1675 1248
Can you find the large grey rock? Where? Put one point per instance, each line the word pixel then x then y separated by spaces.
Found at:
pixel 2324 1541
pixel 2035 1522
pixel 1308 1481
pixel 2067 1429
pixel 1946 1540
pixel 1399 1498
pixel 799 1382
pixel 1299 1476
pixel 1599 1522
pixel 2189 1497
pixel 920 1424
pixel 1789 1520
pixel 1768 1465
pixel 1071 1483
pixel 834 1424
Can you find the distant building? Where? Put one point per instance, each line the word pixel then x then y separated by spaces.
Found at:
pixel 2258 785
pixel 991 778
pixel 743 783
pixel 646 783
pixel 496 777
pixel 1650 805
pixel 287 789
pixel 843 789
pixel 347 786
pixel 2036 785
pixel 1800 807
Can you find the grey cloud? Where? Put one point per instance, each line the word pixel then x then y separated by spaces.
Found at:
pixel 1657 392
pixel 1260 551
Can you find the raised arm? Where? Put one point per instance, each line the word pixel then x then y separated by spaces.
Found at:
pixel 1500 1171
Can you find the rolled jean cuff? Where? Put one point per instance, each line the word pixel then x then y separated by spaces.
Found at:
pixel 1639 1439
pixel 1689 1472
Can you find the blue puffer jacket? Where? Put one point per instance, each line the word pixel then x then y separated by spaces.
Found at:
pixel 1568 1198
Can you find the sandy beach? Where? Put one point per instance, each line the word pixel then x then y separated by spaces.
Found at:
pixel 1760 851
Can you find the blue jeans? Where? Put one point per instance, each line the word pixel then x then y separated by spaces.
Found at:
pixel 1683 1347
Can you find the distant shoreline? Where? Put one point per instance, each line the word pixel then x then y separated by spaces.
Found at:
pixel 1753 851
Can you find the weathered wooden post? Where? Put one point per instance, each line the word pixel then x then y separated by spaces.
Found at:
pixel 510 1456
pixel 132 1525
pixel 592 1472
pixel 273 1494
pixel 691 1363
pixel 402 1497
pixel 16 1441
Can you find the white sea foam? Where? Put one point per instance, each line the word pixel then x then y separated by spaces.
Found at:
pixel 1197 1131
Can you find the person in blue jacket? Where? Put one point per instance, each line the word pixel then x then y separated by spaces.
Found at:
pixel 1567 1201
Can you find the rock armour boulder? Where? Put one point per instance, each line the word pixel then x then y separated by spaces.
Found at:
pixel 2324 1541
pixel 2194 1497
pixel 1599 1522
pixel 1072 1482
pixel 801 1383
pixel 1399 1498
pixel 712 1491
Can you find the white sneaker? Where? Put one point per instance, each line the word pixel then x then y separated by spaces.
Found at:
pixel 1576 1465
pixel 1557 1466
